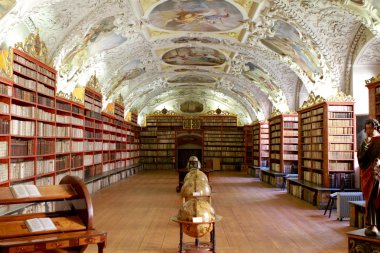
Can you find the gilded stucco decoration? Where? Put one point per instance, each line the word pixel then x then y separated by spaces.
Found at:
pixel 120 100
pixel 373 79
pixel 93 83
pixel 312 100
pixel 340 97
pixel 34 46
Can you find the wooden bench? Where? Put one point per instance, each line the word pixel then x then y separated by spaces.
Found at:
pixel 70 208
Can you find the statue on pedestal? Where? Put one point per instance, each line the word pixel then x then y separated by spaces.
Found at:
pixel 368 156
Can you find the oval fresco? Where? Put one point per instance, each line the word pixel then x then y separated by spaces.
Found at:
pixel 192 79
pixel 191 70
pixel 194 56
pixel 191 107
pixel 287 42
pixel 196 15
pixel 196 39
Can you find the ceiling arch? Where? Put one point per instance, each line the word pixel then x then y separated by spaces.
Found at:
pixel 261 54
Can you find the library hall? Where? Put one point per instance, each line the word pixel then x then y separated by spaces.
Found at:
pixel 189 126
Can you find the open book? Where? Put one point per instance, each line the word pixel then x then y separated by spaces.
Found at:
pixel 25 191
pixel 40 224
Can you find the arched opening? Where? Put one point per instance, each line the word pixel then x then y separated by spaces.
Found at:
pixel 189 143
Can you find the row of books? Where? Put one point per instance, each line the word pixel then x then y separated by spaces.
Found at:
pixel 45 90
pixel 223 154
pixel 26 83
pixel 5 90
pixel 312 112
pixel 24 95
pixel 286 119
pixel 67 119
pixel 4 126
pixel 46 101
pixel 21 147
pixel 226 148
pixel 313 164
pixel 312 119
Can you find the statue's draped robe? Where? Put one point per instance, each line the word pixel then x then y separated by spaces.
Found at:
pixel 367 156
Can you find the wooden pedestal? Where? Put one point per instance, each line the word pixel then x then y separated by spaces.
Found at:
pixel 359 243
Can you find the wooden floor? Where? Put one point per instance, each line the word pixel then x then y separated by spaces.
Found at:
pixel 256 217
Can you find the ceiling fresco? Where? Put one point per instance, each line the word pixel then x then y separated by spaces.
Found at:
pixel 194 56
pixel 246 57
pixel 196 16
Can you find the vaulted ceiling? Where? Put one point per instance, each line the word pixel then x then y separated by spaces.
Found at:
pixel 246 57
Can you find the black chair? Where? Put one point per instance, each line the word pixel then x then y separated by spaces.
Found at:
pixel 285 178
pixel 331 203
pixel 333 197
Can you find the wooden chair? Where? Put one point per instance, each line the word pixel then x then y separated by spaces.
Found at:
pixel 69 207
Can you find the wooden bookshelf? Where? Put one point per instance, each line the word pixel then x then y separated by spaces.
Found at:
pixel 5 120
pixel 69 143
pixel 44 137
pixel 158 142
pixel 283 148
pixel 32 121
pixel 373 86
pixel 94 133
pixel 327 145
pixel 223 140
pixel 260 144
pixel 248 143
pixel 327 137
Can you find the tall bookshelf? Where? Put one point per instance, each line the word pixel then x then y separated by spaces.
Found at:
pixel 248 143
pixel 158 141
pixel 45 136
pixel 133 144
pixel 373 86
pixel 327 130
pixel 283 147
pixel 32 121
pixel 260 144
pixel 5 119
pixel 94 132
pixel 77 141
pixel 223 140
pixel 327 137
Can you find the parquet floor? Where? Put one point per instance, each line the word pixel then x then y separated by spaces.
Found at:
pixel 256 217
